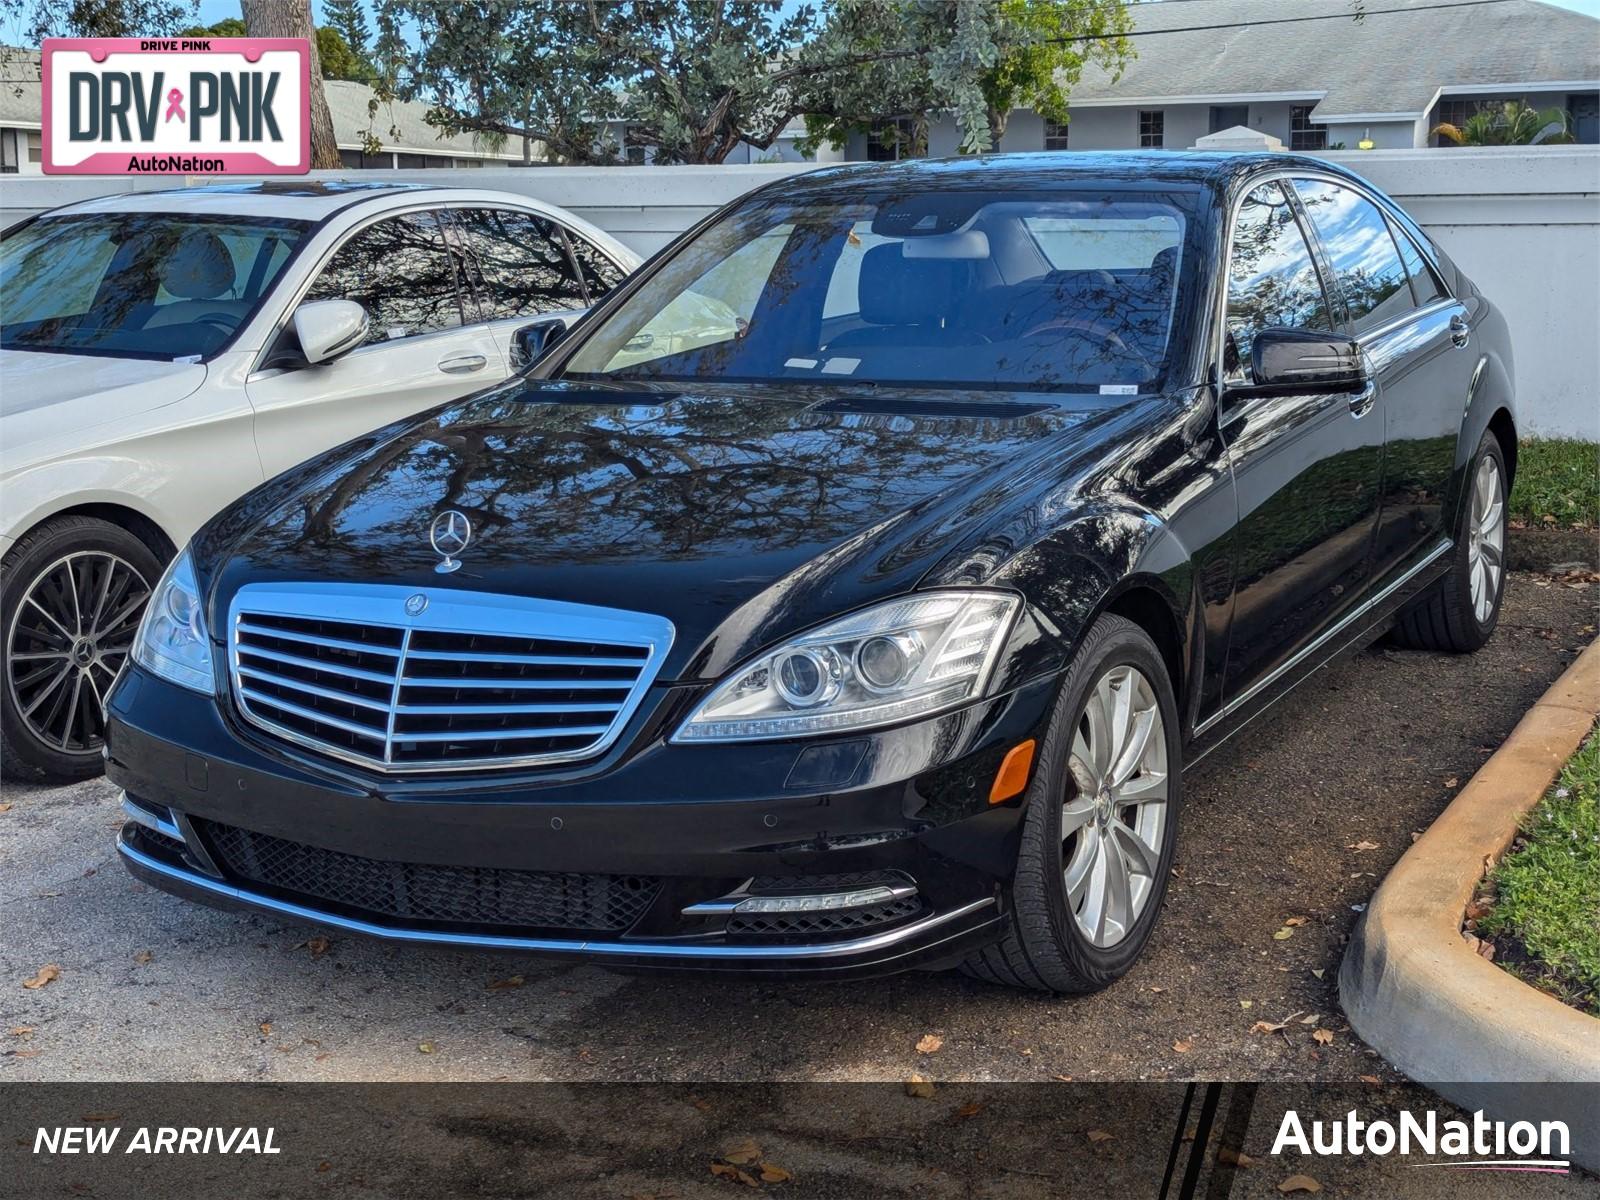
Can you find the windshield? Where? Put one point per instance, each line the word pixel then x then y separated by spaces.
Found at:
pixel 141 285
pixel 1063 290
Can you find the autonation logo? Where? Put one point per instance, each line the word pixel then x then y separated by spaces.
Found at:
pixel 1480 1144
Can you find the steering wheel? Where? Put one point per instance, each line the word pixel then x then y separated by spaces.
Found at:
pixel 1105 332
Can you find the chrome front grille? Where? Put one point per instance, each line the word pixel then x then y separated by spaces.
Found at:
pixel 403 679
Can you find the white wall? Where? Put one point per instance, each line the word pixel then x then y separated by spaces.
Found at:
pixel 1523 223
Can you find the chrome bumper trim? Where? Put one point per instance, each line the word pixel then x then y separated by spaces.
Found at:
pixel 143 816
pixel 661 950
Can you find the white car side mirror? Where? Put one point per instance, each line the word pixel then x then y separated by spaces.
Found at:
pixel 328 328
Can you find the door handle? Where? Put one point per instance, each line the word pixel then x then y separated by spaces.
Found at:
pixel 1460 331
pixel 463 364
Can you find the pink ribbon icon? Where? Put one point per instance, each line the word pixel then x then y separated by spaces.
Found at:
pixel 175 105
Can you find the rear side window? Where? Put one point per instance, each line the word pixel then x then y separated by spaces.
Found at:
pixel 600 274
pixel 1272 279
pixel 1424 282
pixel 518 263
pixel 399 271
pixel 1366 265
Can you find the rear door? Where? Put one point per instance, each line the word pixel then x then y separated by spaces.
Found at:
pixel 1416 337
pixel 426 344
pixel 1306 466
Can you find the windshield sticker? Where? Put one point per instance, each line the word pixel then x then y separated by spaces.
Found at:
pixel 1119 389
pixel 840 366
pixel 801 364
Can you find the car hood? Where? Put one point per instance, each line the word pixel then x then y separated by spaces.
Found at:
pixel 45 397
pixel 740 512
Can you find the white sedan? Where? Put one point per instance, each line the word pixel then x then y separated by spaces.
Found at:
pixel 161 354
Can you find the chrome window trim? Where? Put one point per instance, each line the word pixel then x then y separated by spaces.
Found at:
pixel 658 950
pixel 448 611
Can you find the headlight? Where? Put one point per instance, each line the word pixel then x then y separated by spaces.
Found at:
pixel 907 658
pixel 172 640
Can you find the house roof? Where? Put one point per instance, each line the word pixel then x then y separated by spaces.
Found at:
pixel 1389 63
pixel 400 125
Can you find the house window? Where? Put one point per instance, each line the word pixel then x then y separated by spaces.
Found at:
pixel 1055 135
pixel 1152 128
pixel 1303 134
pixel 894 141
pixel 8 151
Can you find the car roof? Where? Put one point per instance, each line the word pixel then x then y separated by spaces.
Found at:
pixel 1050 169
pixel 305 199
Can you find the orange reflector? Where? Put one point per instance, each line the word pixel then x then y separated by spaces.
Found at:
pixel 1012 777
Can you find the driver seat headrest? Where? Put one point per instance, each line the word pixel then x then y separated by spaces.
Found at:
pixel 198 267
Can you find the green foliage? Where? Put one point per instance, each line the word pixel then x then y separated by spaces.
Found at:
pixel 1547 893
pixel 1557 483
pixel 694 78
pixel 339 60
pixel 1513 123
pixel 349 17
pixel 99 18
pixel 227 27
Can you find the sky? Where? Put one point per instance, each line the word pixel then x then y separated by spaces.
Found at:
pixel 212 11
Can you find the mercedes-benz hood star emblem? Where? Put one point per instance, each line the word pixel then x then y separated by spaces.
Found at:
pixel 450 533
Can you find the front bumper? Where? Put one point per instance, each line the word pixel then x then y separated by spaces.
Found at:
pixel 694 822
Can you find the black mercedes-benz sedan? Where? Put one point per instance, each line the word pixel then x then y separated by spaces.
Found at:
pixel 849 590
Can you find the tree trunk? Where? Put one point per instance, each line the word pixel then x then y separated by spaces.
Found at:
pixel 997 127
pixel 292 19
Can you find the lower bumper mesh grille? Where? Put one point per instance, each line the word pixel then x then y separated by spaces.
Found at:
pixel 421 893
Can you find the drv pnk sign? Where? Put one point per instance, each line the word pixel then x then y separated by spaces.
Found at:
pixel 187 106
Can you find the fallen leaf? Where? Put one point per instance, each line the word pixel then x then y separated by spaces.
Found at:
pixel 1369 1079
pixel 25 1053
pixel 1267 1027
pixel 1247 1004
pixel 771 1173
pixel 318 946
pixel 1299 1183
pixel 1358 846
pixel 1236 1158
pixel 1183 1046
pixel 500 985
pixel 724 1171
pixel 47 973
pixel 1323 1037
pixel 1317 971
pixel 1098 1135
pixel 143 957
pixel 1451 782
pixel 743 1153
pixel 324 1166
pixel 970 1109
pixel 323 1057
pixel 1283 934
pixel 1486 950
pixel 425 1047
pixel 1157 990
pixel 919 1087
pixel 266 1028
pixel 1311 1019
pixel 1292 921
pixel 929 1043
pixel 701 1103
pixel 6 807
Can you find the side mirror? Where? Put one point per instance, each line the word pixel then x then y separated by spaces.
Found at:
pixel 1301 360
pixel 326 329
pixel 532 342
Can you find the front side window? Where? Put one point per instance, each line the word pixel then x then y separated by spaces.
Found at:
pixel 1367 271
pixel 1272 278
pixel 140 285
pixel 517 263
pixel 398 270
pixel 1069 290
pixel 1425 283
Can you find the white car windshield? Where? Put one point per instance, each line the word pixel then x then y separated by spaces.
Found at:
pixel 1072 289
pixel 138 285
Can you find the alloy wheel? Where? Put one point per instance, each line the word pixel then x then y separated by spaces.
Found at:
pixel 1113 826
pixel 69 637
pixel 1486 536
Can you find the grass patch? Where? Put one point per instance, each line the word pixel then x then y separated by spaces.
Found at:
pixel 1545 914
pixel 1558 484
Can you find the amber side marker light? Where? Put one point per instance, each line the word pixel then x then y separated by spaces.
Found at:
pixel 1012 777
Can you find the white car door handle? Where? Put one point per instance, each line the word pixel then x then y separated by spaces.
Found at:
pixel 463 364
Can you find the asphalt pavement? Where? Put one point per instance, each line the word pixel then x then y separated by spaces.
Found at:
pixel 1288 828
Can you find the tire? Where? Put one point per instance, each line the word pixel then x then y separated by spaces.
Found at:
pixel 57 669
pixel 1046 946
pixel 1451 615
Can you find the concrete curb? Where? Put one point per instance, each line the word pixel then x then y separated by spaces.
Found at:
pixel 1418 994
